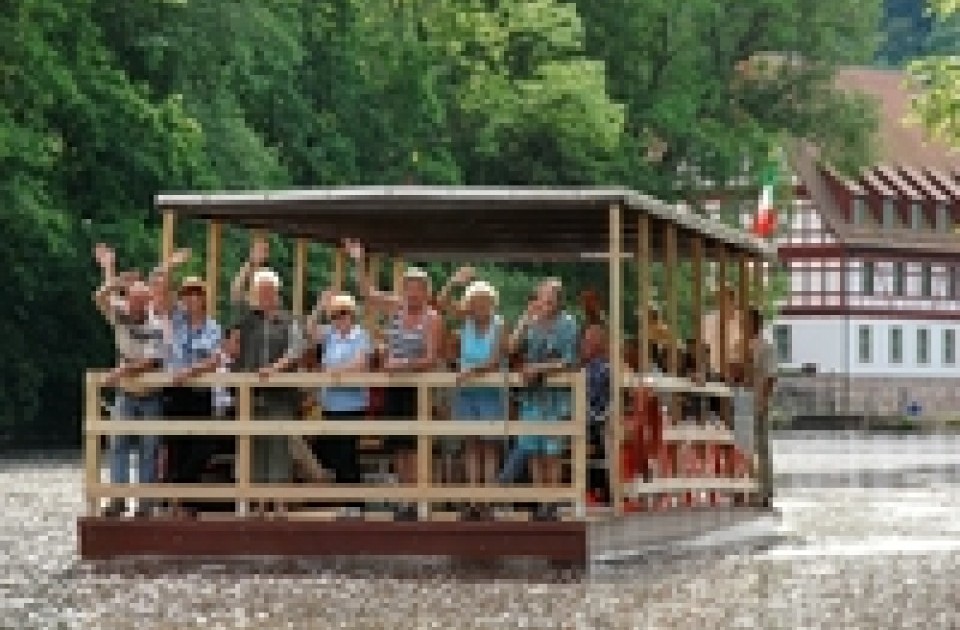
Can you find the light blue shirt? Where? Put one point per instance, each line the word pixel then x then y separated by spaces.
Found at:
pixel 190 345
pixel 339 350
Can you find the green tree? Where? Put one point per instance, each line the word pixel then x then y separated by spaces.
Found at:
pixel 937 107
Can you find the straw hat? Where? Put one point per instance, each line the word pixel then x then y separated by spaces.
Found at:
pixel 342 302
pixel 192 283
pixel 480 287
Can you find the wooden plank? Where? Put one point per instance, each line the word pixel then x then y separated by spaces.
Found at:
pixel 697 302
pixel 724 311
pixel 702 434
pixel 675 384
pixel 743 305
pixel 214 233
pixel 373 277
pixel 615 420
pixel 339 263
pixel 399 267
pixel 244 414
pixel 311 380
pixel 168 237
pixel 299 276
pixel 684 484
pixel 339 492
pixel 670 289
pixel 102 538
pixel 293 426
pixel 643 292
pixel 91 446
pixel 424 448
pixel 578 453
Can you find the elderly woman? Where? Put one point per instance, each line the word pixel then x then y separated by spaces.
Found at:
pixel 414 336
pixel 270 341
pixel 343 346
pixel 482 350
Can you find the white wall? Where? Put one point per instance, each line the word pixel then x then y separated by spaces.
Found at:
pixel 832 344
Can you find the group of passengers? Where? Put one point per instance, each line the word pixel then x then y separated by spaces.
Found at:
pixel 157 329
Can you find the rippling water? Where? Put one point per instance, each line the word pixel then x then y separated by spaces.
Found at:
pixel 873 527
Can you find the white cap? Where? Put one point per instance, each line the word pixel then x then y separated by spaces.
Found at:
pixel 266 275
pixel 418 273
pixel 342 302
pixel 480 287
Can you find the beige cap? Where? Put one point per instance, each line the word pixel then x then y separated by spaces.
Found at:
pixel 342 302
pixel 192 283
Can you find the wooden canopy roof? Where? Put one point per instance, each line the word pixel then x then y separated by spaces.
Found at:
pixel 425 222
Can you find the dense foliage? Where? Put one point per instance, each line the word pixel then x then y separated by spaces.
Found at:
pixel 104 103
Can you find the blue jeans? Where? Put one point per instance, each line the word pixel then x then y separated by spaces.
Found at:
pixel 130 408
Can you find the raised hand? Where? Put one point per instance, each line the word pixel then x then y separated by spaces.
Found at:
pixel 180 256
pixel 259 251
pixel 354 248
pixel 463 275
pixel 104 255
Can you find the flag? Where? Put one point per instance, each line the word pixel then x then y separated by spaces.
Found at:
pixel 765 220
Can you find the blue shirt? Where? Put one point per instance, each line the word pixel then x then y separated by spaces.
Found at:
pixel 338 350
pixel 547 342
pixel 190 345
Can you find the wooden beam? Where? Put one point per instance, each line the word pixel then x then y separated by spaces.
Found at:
pixel 91 445
pixel 424 449
pixel 214 233
pixel 643 292
pixel 373 277
pixel 399 267
pixel 615 420
pixel 293 426
pixel 299 276
pixel 339 262
pixel 168 238
pixel 724 313
pixel 578 447
pixel 697 305
pixel 242 464
pixel 670 289
pixel 743 305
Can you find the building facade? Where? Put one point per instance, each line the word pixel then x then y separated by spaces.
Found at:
pixel 872 316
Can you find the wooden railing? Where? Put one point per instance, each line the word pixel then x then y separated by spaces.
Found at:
pixel 425 428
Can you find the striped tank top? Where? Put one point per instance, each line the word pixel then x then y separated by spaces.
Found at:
pixel 406 343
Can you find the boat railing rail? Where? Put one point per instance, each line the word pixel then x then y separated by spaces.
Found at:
pixel 425 428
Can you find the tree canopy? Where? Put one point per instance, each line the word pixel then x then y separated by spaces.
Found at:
pixel 104 103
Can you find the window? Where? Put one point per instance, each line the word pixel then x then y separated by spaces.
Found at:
pixel 858 211
pixel 865 344
pixel 923 346
pixel 888 216
pixel 783 342
pixel 942 217
pixel 896 344
pixel 949 346
pixel 916 216
pixel 926 281
pixel 952 283
pixel 868 271
pixel 899 278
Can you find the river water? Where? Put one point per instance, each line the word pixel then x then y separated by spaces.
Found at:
pixel 871 539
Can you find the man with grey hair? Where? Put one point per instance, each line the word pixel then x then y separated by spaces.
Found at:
pixel 125 301
pixel 271 340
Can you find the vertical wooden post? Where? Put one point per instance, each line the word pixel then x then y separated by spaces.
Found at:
pixel 339 262
pixel 670 289
pixel 373 277
pixel 242 468
pixel 398 269
pixel 214 232
pixel 697 306
pixel 168 238
pixel 424 450
pixel 615 420
pixel 299 276
pixel 91 446
pixel 643 292
pixel 724 313
pixel 743 305
pixel 578 450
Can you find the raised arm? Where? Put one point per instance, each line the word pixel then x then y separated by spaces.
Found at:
pixel 112 283
pixel 458 279
pixel 259 250
pixel 375 300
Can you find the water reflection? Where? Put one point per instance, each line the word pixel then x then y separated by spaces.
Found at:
pixel 873 542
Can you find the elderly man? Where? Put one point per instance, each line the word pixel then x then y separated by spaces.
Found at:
pixel 125 303
pixel 271 340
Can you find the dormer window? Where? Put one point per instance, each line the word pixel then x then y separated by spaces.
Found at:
pixel 858 217
pixel 942 217
pixel 888 216
pixel 916 216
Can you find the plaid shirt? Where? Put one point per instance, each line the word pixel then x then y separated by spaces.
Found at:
pixel 190 345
